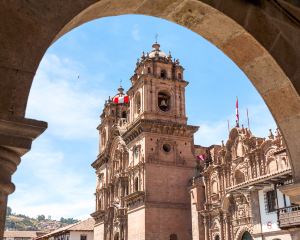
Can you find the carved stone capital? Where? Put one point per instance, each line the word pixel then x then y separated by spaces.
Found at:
pixel 16 136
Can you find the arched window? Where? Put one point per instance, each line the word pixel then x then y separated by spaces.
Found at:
pixel 103 137
pixel 214 187
pixel 164 101
pixel 149 70
pixel 247 236
pixel 124 114
pixel 217 237
pixel 136 184
pixel 163 74
pixel 272 165
pixel 173 236
pixel 179 76
pixel 116 237
pixel 100 203
pixel 138 103
pixel 239 177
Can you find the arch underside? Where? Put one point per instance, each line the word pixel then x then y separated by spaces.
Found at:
pixel 43 23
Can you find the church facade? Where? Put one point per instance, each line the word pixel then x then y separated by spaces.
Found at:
pixel 153 183
pixel 236 194
pixel 146 156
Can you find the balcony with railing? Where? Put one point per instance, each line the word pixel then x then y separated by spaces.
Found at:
pixel 289 217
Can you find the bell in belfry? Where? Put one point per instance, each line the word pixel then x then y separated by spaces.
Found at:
pixel 163 103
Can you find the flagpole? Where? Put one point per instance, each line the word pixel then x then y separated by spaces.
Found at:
pixel 237 112
pixel 228 126
pixel 248 119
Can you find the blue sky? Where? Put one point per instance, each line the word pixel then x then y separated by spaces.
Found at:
pixel 55 178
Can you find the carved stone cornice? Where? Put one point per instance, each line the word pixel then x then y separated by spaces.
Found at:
pixel 16 136
pixel 157 126
pixel 98 216
pixel 18 133
pixel 135 199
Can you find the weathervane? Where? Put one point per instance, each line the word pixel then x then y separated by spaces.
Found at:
pixel 156 36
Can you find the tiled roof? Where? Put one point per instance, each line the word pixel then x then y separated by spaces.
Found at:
pixel 20 234
pixel 86 225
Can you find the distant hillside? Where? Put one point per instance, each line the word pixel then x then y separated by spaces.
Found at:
pixel 21 222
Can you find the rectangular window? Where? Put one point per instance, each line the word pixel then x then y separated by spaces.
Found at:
pixel 271 201
pixel 83 237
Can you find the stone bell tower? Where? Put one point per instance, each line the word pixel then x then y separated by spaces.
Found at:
pixel 146 156
pixel 161 150
pixel 158 88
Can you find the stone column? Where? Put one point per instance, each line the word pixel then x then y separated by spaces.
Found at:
pixel 206 226
pixel 227 226
pixel 16 136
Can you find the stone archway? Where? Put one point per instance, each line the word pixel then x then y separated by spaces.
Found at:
pixel 269 56
pixel 246 236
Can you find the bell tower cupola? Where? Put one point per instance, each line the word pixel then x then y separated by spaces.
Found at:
pixel 158 88
pixel 115 114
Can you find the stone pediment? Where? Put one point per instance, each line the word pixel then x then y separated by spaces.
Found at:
pixel 158 126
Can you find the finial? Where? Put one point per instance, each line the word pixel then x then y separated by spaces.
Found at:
pixel 271 136
pixel 156 45
pixel 223 143
pixel 278 133
pixel 121 89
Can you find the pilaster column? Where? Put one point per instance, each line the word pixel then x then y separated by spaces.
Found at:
pixel 16 136
pixel 206 226
pixel 227 221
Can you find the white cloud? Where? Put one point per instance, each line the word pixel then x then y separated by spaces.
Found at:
pixel 57 97
pixel 53 188
pixel 136 33
pixel 214 132
pixel 49 181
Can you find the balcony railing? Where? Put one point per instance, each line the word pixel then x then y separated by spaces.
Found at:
pixel 289 217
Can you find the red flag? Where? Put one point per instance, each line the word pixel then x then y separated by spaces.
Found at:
pixel 237 112
pixel 201 157
pixel 121 99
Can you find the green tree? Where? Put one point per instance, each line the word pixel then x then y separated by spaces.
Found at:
pixel 41 217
